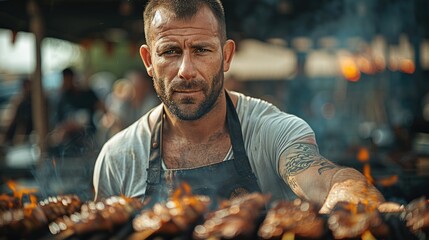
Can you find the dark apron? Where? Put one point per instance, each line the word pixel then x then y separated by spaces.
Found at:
pixel 224 180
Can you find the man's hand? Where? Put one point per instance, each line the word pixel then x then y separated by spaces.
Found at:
pixel 350 186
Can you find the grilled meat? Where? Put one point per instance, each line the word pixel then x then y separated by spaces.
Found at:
pixel 31 218
pixel 349 220
pixel 417 215
pixel 97 216
pixel 175 217
pixel 297 217
pixel 235 219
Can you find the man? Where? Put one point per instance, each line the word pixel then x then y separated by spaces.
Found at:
pixel 21 124
pixel 76 109
pixel 222 143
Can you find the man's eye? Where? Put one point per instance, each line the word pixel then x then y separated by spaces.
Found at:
pixel 169 52
pixel 201 50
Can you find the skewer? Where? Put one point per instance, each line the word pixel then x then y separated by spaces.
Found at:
pixel 288 236
pixel 142 235
pixel 367 235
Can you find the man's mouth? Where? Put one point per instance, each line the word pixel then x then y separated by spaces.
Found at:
pixel 187 91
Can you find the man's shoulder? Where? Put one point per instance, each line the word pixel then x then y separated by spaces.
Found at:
pixel 246 104
pixel 130 136
pixel 242 99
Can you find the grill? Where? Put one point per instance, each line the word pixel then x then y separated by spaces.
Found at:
pixel 187 216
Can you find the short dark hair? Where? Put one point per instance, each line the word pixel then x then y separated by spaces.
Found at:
pixel 68 72
pixel 184 9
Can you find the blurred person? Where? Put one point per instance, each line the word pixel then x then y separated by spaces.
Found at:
pixel 74 116
pixel 143 97
pixel 130 99
pixel 115 101
pixel 21 124
pixel 222 143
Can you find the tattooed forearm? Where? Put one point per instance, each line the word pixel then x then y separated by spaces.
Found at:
pixel 303 156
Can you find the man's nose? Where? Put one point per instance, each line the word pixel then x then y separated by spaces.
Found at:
pixel 187 69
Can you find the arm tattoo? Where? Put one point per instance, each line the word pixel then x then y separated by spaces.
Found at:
pixel 304 156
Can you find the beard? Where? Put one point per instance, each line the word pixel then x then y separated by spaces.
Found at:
pixel 183 108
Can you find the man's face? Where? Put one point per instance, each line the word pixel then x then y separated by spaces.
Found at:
pixel 187 62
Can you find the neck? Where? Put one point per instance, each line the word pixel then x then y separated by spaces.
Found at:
pixel 200 130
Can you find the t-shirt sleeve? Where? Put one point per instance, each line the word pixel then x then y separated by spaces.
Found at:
pixel 272 131
pixel 105 180
pixel 294 130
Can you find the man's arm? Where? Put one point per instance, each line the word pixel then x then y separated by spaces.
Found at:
pixel 316 179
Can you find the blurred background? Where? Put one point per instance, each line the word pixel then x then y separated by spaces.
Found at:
pixel 356 70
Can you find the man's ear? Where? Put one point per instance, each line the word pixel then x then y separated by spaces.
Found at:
pixel 146 58
pixel 228 54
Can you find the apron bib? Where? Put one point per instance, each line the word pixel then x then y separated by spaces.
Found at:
pixel 224 180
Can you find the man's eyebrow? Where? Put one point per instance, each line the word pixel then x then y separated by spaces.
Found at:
pixel 167 46
pixel 201 45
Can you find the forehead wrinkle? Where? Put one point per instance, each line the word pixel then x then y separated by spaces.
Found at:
pixel 164 23
pixel 187 31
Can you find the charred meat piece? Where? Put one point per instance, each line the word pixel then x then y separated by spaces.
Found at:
pixel 236 219
pixel 348 220
pixel 22 222
pixel 32 218
pixel 8 202
pixel 417 215
pixel 55 207
pixel 297 217
pixel 175 217
pixel 96 216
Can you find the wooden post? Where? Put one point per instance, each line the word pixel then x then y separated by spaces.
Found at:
pixel 38 97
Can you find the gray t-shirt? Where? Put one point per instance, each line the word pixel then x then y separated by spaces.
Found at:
pixel 121 166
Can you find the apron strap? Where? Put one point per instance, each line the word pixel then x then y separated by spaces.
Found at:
pixel 155 165
pixel 241 161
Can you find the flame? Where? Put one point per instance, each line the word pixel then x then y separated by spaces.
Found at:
pixel 12 186
pixel 388 181
pixel 288 236
pixel 183 190
pixel 352 207
pixel 19 192
pixel 363 157
pixel 363 154
pixel 367 173
pixel 179 193
pixel 33 200
pixel 28 209
pixel 367 235
pixel 183 197
pixel 187 188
